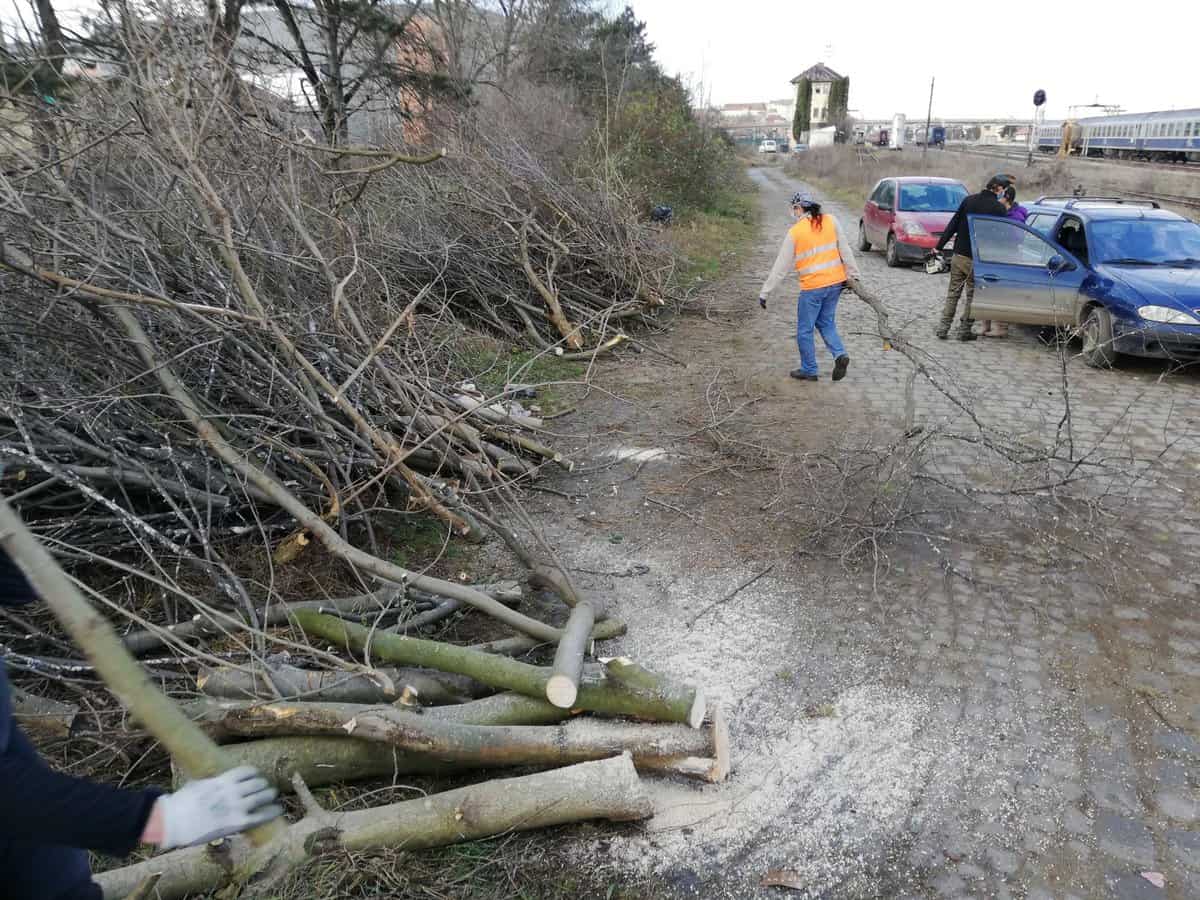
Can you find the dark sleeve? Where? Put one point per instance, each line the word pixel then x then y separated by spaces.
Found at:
pixel 14 589
pixel 42 806
pixel 951 227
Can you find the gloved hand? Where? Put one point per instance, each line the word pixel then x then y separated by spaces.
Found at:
pixel 931 254
pixel 212 808
pixel 762 301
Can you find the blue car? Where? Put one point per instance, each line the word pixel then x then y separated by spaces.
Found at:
pixel 1124 274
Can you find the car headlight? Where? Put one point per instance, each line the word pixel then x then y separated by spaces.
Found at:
pixel 913 228
pixel 1167 316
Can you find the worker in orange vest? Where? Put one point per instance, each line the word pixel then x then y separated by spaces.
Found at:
pixel 822 258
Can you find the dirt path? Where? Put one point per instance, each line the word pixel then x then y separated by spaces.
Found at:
pixel 955 696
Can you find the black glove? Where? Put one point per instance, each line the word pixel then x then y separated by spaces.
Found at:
pixel 931 254
pixel 762 301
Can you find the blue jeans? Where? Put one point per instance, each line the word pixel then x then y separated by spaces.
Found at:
pixel 818 309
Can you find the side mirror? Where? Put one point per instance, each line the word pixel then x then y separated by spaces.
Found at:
pixel 1057 263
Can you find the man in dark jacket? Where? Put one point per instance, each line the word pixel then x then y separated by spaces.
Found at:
pixel 48 820
pixel 962 267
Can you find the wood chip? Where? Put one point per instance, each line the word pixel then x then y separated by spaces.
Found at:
pixel 784 878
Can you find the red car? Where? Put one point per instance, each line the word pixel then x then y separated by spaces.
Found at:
pixel 906 216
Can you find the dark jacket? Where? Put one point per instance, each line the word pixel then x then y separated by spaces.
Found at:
pixel 41 806
pixel 982 204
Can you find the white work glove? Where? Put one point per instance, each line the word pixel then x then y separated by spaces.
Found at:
pixel 212 808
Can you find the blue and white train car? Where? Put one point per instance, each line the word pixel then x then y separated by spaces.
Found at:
pixel 1164 136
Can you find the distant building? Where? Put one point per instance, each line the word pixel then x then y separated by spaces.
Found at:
pixel 743 111
pixel 785 107
pixel 822 78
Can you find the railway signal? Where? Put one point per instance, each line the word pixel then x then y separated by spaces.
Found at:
pixel 1039 99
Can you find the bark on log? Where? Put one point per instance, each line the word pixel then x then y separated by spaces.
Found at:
pixel 45 718
pixel 432 688
pixel 521 644
pixel 324 760
pixel 500 709
pixel 606 789
pixel 665 703
pixel 198 755
pixel 563 686
pixel 637 678
pixel 653 746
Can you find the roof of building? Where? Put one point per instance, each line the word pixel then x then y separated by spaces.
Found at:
pixel 819 72
pixel 735 107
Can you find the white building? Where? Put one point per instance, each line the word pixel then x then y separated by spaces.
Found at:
pixel 822 78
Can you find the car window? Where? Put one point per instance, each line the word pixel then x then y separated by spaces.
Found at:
pixel 931 197
pixel 877 193
pixel 1007 243
pixel 1042 223
pixel 1154 241
pixel 1073 238
pixel 888 196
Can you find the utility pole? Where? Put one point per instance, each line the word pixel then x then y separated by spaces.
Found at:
pixel 928 120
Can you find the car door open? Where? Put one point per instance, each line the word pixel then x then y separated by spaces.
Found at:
pixel 1020 276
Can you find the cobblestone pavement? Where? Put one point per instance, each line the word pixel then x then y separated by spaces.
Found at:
pixel 1006 703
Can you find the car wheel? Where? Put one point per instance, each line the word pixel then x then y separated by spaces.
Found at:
pixel 893 253
pixel 1097 335
pixel 863 243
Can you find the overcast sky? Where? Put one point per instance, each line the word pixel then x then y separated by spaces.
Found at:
pixel 987 58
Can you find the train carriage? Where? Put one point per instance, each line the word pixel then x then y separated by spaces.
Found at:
pixel 1172 136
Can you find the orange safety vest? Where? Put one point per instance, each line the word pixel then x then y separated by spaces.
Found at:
pixel 818 262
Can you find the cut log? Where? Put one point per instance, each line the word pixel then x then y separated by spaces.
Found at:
pixel 500 709
pixel 521 644
pixel 671 694
pixel 665 703
pixel 320 760
pixel 48 719
pixel 606 789
pixel 474 745
pixel 563 686
pixel 384 686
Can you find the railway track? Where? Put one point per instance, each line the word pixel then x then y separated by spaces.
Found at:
pixel 1021 153
pixel 1176 199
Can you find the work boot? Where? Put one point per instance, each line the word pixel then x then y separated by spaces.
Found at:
pixel 840 365
pixel 966 330
pixel 801 375
pixel 943 329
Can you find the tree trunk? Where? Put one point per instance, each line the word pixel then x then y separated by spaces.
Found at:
pixel 196 753
pixel 383 686
pixel 638 678
pixel 432 739
pixel 606 789
pixel 563 686
pixel 324 761
pixel 665 703
pixel 521 644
